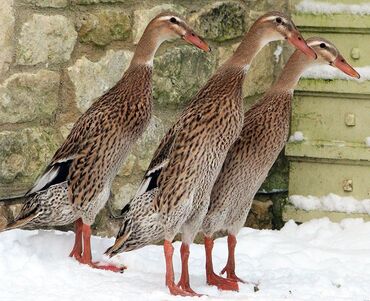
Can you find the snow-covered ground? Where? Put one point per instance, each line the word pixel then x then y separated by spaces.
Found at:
pixel 318 260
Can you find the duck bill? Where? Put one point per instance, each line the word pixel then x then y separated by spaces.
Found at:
pixel 192 38
pixel 343 66
pixel 298 42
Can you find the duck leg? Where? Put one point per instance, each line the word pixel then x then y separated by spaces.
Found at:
pixel 170 277
pixel 77 248
pixel 86 255
pixel 230 265
pixel 184 280
pixel 212 278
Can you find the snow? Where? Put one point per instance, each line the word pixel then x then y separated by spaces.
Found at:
pixel 277 53
pixel 273 190
pixel 322 7
pixel 318 260
pixel 367 141
pixel 296 137
pixel 331 202
pixel 329 72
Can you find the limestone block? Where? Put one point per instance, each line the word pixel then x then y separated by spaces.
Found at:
pixel 260 215
pixel 49 3
pixel 104 26
pixel 220 21
pixel 24 153
pixel 180 72
pixel 46 39
pixel 6 35
pixel 29 96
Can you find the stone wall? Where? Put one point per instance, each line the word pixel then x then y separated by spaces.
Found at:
pixel 57 56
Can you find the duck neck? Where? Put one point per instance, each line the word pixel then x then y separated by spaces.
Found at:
pixel 147 47
pixel 293 70
pixel 252 43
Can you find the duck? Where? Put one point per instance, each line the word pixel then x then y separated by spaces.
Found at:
pixel 189 157
pixel 76 184
pixel 264 135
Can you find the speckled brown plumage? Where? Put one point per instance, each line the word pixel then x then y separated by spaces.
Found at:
pixel 190 156
pixel 203 135
pixel 76 184
pixel 103 136
pixel 196 146
pixel 91 155
pixel 193 150
pixel 264 134
pixel 141 224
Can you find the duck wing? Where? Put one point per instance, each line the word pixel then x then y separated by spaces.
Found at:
pixel 78 157
pixel 159 161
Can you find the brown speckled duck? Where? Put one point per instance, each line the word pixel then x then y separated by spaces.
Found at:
pixel 76 184
pixel 190 156
pixel 264 134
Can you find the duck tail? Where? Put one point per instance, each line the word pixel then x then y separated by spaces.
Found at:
pixel 19 223
pixel 23 219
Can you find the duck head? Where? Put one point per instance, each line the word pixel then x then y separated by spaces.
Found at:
pixel 275 26
pixel 328 54
pixel 170 26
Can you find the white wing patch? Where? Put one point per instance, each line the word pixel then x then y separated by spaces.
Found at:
pixel 46 178
pixel 157 167
pixel 143 187
pixel 64 159
pixel 145 183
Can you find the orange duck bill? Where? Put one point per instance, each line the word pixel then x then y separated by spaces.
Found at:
pixel 298 42
pixel 342 65
pixel 192 38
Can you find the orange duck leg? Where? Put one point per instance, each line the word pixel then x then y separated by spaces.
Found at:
pixel 212 278
pixel 77 248
pixel 83 237
pixel 184 279
pixel 170 277
pixel 230 265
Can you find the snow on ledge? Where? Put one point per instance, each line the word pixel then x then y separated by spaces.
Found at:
pixel 331 202
pixel 277 53
pixel 322 7
pixel 329 72
pixel 296 137
pixel 367 141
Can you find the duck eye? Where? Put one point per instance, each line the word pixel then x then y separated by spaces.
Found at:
pixel 322 45
pixel 173 20
pixel 278 20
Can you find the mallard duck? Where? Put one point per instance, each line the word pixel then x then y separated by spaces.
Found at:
pixel 264 134
pixel 76 184
pixel 190 156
